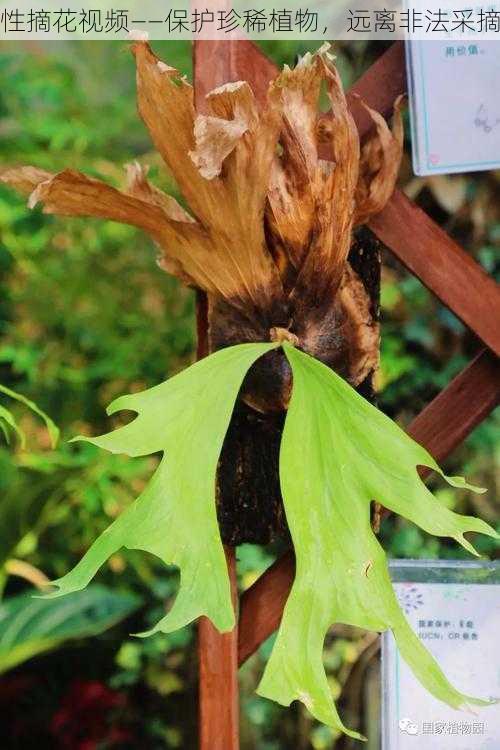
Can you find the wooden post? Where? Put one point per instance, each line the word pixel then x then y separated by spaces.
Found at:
pixel 217 653
pixel 215 64
pixel 218 669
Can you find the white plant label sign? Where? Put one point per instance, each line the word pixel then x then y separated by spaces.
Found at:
pixel 454 105
pixel 460 625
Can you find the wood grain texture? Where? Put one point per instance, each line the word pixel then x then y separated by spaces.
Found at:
pixel 420 244
pixel 379 87
pixel 440 428
pixel 261 605
pixel 218 62
pixel 442 265
pixel 217 653
pixel 218 672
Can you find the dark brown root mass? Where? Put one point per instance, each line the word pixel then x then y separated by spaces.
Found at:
pixel 249 502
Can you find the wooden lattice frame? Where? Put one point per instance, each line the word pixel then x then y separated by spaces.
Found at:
pixel 445 269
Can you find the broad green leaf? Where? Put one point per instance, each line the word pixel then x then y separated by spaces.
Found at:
pixel 7 416
pixel 175 517
pixel 339 453
pixel 30 626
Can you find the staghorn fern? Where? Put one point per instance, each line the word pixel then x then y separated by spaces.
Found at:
pixel 268 237
pixel 338 453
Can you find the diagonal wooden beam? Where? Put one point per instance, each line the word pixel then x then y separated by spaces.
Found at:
pixel 467 400
pixel 442 265
pixel 440 428
pixel 417 241
pixel 379 86
pixel 262 605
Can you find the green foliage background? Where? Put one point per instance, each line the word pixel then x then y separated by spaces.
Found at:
pixel 86 315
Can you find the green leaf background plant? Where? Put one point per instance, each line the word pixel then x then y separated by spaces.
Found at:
pixel 7 419
pixel 29 626
pixel 16 511
pixel 338 455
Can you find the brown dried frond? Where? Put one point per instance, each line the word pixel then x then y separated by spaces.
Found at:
pixel 237 159
pixel 71 193
pixel 139 186
pixel 323 267
pixel 23 179
pixel 269 222
pixel 296 180
pixel 379 164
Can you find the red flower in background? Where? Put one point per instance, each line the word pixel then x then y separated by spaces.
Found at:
pixel 84 720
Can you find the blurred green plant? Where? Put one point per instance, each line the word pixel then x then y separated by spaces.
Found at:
pixel 29 627
pixel 7 419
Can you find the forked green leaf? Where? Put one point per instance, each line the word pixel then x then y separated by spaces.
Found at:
pixel 339 453
pixel 175 517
